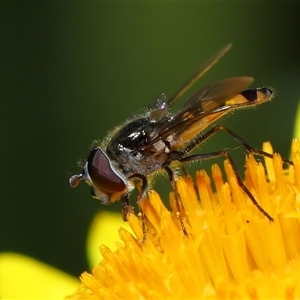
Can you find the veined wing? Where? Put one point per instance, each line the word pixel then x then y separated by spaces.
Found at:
pixel 211 97
pixel 204 102
pixel 197 75
pixel 249 97
pixel 205 107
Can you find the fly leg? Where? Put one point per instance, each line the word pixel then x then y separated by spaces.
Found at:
pixel 204 136
pixel 126 208
pixel 204 156
pixel 171 176
pixel 142 194
pixel 181 157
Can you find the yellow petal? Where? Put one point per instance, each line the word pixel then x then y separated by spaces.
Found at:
pixel 297 123
pixel 22 277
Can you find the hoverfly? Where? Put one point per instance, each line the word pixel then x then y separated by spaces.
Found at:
pixel 153 141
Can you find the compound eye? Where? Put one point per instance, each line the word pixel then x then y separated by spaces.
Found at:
pixel 102 174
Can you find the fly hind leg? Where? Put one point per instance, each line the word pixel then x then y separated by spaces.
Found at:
pixel 204 136
pixel 181 157
pixel 205 156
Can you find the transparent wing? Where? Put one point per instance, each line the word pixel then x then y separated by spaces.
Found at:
pixel 198 74
pixel 211 97
pixel 194 127
pixel 209 101
pixel 163 104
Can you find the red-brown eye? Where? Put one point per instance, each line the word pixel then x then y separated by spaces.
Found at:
pixel 102 174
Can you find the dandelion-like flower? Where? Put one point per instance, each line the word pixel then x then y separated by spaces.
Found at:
pixel 231 251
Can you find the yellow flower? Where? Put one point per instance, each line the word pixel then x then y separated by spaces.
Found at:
pixel 231 251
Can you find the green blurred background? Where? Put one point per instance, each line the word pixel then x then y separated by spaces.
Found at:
pixel 70 72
